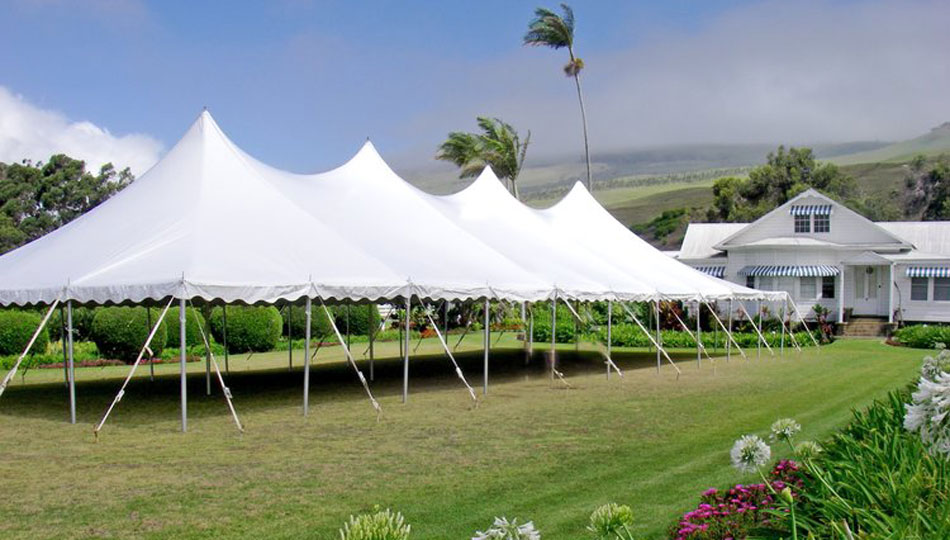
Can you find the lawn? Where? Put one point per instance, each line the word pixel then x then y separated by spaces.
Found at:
pixel 532 449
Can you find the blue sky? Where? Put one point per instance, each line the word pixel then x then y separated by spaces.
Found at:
pixel 300 84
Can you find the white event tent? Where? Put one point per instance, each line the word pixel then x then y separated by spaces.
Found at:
pixel 210 222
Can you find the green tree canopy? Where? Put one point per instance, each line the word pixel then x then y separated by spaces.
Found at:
pixel 38 198
pixel 785 174
pixel 498 145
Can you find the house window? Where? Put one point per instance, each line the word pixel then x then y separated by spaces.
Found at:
pixel 918 288
pixel 750 282
pixel 942 289
pixel 766 283
pixel 807 289
pixel 822 223
pixel 828 287
pixel 803 224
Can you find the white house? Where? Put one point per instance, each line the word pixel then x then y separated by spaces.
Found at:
pixel 821 252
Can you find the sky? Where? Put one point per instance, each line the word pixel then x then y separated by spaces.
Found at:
pixel 301 84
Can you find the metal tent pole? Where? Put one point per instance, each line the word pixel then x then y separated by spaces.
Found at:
pixel 405 358
pixel 531 331
pixel 699 336
pixel 784 310
pixel 577 341
pixel 62 333
pixel 758 349
pixel 183 362
pixel 207 358
pixel 656 312
pixel 290 339
pixel 306 358
pixel 372 339
pixel 553 335
pixel 151 357
pixel 224 335
pixel 610 307
pixel 729 341
pixel 70 362
pixel 348 325
pixel 487 346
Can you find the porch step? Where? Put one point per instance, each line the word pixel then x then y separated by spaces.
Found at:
pixel 865 327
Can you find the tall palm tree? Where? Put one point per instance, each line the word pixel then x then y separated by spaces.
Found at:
pixel 549 29
pixel 498 145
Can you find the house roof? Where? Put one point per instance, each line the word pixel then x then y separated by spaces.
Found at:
pixel 926 236
pixel 701 237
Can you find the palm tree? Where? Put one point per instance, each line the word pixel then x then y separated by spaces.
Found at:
pixel 498 145
pixel 556 31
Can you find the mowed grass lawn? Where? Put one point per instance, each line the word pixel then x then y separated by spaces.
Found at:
pixel 532 449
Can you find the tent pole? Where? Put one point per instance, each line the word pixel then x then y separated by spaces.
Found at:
pixel 784 310
pixel 729 331
pixel 71 363
pixel 290 339
pixel 224 332
pixel 183 359
pixel 656 312
pixel 151 357
pixel 553 335
pixel 531 332
pixel 610 307
pixel 445 320
pixel 487 346
pixel 306 358
pixel 699 335
pixel 62 332
pixel 758 350
pixel 207 360
pixel 348 325
pixel 577 341
pixel 405 358
pixel 372 338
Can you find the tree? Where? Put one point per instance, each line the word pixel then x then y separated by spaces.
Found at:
pixel 549 29
pixel 784 175
pixel 38 198
pixel 498 145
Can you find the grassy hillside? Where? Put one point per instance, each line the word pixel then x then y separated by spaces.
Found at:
pixel 936 142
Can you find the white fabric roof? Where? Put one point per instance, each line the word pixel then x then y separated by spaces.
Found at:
pixel 210 221
pixel 579 216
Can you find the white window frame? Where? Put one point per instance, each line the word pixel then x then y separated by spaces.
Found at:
pixel 927 290
pixel 814 291
pixel 826 218
pixel 807 222
pixel 934 290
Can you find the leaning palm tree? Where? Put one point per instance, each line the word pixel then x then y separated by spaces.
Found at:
pixel 498 145
pixel 556 31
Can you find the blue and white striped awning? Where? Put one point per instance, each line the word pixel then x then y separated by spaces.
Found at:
pixel 818 270
pixel 714 271
pixel 928 271
pixel 810 210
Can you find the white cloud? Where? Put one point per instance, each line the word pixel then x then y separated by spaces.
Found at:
pixel 29 132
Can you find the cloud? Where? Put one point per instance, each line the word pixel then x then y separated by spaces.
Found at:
pixel 28 132
pixel 774 72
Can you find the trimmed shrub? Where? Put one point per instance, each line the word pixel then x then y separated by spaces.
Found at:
pixel 82 323
pixel 120 332
pixel 250 328
pixel 542 323
pixel 923 336
pixel 296 322
pixel 192 333
pixel 16 329
pixel 363 318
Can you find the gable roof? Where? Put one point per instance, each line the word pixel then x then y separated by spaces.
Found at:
pixel 810 193
pixel 701 237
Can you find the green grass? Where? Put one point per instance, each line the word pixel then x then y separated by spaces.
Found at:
pixel 531 450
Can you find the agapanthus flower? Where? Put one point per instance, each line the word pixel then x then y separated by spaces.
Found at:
pixel 935 365
pixel 808 449
pixel 784 429
pixel 928 414
pixel 502 529
pixel 611 521
pixel 750 453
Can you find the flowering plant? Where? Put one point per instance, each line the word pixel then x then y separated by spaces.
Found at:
pixel 611 522
pixel 928 413
pixel 502 529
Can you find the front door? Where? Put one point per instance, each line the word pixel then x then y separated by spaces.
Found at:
pixel 868 288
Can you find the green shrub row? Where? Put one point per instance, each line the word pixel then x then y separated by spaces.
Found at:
pixel 923 336
pixel 120 332
pixel 16 329
pixel 250 328
pixel 630 335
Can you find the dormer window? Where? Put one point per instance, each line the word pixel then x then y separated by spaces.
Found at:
pixel 822 223
pixel 803 223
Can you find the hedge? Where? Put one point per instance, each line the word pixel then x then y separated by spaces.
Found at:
pixel 250 328
pixel 363 318
pixel 16 329
pixel 923 336
pixel 296 321
pixel 630 335
pixel 120 333
pixel 82 324
pixel 542 323
pixel 173 326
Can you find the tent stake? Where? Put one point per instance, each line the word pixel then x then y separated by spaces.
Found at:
pixel 71 363
pixel 405 358
pixel 487 346
pixel 306 358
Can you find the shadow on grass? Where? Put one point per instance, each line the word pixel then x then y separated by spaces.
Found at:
pixel 148 401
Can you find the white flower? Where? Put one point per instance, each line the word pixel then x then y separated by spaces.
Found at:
pixel 502 529
pixel 784 429
pixel 934 366
pixel 928 414
pixel 808 449
pixel 750 453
